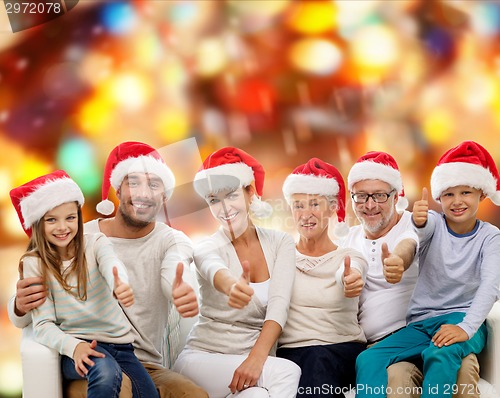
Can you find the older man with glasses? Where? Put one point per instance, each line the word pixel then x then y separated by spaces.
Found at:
pixel 389 243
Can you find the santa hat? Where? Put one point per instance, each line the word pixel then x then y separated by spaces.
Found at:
pixel 231 168
pixel 467 164
pixel 132 157
pixel 35 198
pixel 317 177
pixel 379 166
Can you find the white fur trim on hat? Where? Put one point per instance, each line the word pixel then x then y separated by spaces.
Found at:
pixel 309 184
pixel 48 196
pixel 143 164
pixel 454 174
pixel 241 171
pixel 259 208
pixel 369 170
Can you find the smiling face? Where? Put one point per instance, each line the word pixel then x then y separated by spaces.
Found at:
pixel 60 226
pixel 142 196
pixel 460 205
pixel 311 214
pixel 376 218
pixel 230 208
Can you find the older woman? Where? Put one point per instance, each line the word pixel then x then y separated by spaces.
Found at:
pixel 246 276
pixel 322 334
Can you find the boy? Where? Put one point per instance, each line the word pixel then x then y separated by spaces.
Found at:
pixel 458 278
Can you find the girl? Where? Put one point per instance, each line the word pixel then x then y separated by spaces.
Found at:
pixel 80 318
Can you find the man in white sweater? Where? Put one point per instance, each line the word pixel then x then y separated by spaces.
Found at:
pixel 153 253
pixel 389 244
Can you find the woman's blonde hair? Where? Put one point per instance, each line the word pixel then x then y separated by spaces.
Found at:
pixel 51 261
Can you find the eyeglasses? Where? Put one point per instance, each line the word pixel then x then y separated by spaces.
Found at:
pixel 377 197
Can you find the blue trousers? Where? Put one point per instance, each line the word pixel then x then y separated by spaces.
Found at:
pixel 105 377
pixel 327 370
pixel 441 365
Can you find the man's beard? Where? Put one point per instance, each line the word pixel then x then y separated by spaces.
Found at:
pixel 134 222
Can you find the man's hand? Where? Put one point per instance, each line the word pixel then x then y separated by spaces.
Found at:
pixel 30 294
pixel 184 296
pixel 122 291
pixel 421 210
pixel 82 354
pixel 241 293
pixel 353 282
pixel 393 265
pixel 449 334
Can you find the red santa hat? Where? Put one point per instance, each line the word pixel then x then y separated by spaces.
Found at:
pixel 467 164
pixel 231 168
pixel 317 177
pixel 132 157
pixel 36 197
pixel 379 166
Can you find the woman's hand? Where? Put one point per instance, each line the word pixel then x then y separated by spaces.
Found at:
pixel 241 293
pixel 247 374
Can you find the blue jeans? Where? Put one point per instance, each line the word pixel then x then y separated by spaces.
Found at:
pixel 441 365
pixel 105 377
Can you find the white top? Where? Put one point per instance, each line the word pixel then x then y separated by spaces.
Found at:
pixel 261 290
pixel 382 305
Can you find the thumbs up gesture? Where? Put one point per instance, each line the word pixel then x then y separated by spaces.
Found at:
pixel 241 293
pixel 123 292
pixel 421 209
pixel 393 265
pixel 183 294
pixel 353 283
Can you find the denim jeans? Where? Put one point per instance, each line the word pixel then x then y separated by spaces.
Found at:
pixel 105 377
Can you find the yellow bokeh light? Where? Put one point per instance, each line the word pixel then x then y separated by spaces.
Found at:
pixel 317 56
pixel 211 57
pixel 11 223
pixel 130 91
pixel 173 125
pixel 374 50
pixel 96 116
pixel 31 168
pixel 438 127
pixel 313 17
pixel 11 378
pixel 5 184
pixel 268 8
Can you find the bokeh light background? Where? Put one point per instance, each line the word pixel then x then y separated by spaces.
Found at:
pixel 284 80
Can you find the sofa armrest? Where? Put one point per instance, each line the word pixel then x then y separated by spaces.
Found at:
pixel 489 359
pixel 41 368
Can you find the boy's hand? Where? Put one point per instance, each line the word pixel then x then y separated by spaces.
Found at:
pixel 241 293
pixel 123 292
pixel 353 282
pixel 421 209
pixel 183 294
pixel 449 334
pixel 82 354
pixel 393 265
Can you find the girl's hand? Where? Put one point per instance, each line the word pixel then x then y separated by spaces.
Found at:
pixel 247 374
pixel 449 334
pixel 82 354
pixel 123 292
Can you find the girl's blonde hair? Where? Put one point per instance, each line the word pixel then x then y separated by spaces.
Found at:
pixel 51 261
